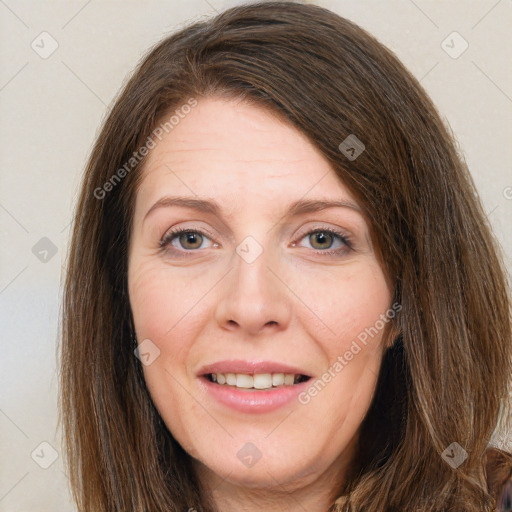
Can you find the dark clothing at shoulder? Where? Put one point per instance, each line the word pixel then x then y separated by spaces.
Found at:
pixel 498 469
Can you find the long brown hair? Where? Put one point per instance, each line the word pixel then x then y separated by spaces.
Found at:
pixel 447 374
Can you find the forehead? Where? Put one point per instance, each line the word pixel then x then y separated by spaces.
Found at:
pixel 239 153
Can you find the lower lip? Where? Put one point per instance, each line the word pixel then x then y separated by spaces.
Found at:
pixel 260 401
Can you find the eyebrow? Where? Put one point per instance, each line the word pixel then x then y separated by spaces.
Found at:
pixel 211 206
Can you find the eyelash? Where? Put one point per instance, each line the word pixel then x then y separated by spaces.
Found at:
pixel 173 233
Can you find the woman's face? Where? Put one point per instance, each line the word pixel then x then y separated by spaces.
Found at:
pixel 251 289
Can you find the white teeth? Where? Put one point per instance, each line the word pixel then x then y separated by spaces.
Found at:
pixel 256 381
pixel 278 379
pixel 244 381
pixel 288 379
pixel 263 381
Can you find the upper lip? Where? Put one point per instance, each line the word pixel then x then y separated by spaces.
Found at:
pixel 250 367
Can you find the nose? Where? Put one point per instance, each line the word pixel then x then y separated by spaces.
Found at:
pixel 253 296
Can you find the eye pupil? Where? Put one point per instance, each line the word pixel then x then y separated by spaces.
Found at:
pixel 319 239
pixel 323 236
pixel 189 236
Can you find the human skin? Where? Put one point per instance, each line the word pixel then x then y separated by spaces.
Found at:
pixel 293 304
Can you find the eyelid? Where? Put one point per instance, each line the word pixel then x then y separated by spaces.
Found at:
pixel 304 231
pixel 173 232
pixel 345 238
pixel 324 227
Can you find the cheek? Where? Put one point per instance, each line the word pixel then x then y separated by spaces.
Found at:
pixel 160 304
pixel 348 304
pixel 169 308
pixel 158 301
pixel 149 301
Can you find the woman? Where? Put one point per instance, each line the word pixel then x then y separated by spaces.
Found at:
pixel 257 368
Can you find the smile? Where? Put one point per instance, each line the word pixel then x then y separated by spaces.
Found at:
pixel 252 386
pixel 260 381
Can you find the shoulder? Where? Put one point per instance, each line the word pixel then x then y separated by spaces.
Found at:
pixel 498 472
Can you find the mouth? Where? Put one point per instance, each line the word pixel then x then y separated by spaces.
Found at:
pixel 256 381
pixel 253 387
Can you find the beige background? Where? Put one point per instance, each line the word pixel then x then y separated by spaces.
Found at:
pixel 51 109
